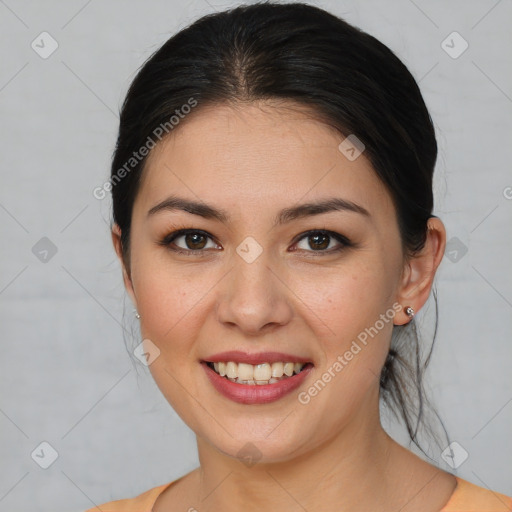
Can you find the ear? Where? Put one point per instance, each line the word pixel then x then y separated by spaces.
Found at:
pixel 116 240
pixel 420 269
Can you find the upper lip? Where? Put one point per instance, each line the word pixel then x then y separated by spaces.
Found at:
pixel 238 356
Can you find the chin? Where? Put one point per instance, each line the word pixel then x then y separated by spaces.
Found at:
pixel 260 448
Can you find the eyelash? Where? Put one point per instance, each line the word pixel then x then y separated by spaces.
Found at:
pixel 169 239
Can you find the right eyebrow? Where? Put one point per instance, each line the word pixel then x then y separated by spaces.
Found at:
pixel 194 207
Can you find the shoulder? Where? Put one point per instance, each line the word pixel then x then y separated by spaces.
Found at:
pixel 141 503
pixel 468 497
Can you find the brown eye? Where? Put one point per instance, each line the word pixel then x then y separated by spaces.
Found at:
pixel 195 241
pixel 323 241
pixel 188 241
pixel 319 241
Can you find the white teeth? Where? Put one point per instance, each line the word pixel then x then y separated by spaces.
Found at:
pixel 259 374
pixel 245 371
pixel 232 370
pixel 277 369
pixel 288 369
pixel 262 372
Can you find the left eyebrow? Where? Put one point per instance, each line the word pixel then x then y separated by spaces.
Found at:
pixel 319 207
pixel 284 216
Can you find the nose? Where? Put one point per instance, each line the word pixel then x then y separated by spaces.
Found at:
pixel 254 298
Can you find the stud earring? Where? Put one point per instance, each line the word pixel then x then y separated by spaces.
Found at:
pixel 409 311
pixel 137 316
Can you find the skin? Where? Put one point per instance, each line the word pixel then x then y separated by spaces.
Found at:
pixel 332 453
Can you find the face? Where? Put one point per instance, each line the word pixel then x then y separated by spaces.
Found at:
pixel 259 274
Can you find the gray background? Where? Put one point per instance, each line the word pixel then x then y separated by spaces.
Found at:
pixel 66 377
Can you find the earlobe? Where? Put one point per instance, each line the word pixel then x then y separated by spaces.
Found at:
pixel 118 247
pixel 418 276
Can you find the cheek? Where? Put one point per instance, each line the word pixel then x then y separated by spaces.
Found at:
pixel 346 304
pixel 169 297
pixel 354 347
pixel 172 309
pixel 348 298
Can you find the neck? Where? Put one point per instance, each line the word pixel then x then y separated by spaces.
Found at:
pixel 349 471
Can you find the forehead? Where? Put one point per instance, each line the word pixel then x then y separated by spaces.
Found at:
pixel 243 154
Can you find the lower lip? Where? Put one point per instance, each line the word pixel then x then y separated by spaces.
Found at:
pixel 255 394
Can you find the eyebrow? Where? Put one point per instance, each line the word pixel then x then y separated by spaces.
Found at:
pixel 206 211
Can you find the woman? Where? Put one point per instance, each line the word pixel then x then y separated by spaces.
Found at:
pixel 272 211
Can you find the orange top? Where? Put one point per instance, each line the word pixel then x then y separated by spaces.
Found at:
pixel 466 497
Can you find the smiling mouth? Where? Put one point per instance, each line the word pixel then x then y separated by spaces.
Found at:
pixel 259 374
